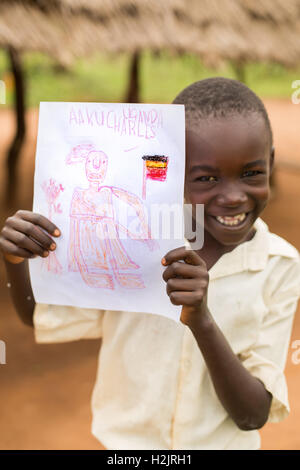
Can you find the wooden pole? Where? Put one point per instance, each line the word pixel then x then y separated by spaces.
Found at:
pixel 133 92
pixel 19 105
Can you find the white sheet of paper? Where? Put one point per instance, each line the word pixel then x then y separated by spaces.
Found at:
pixel 92 182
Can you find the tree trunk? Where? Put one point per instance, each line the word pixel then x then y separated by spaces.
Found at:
pixel 133 92
pixel 15 148
pixel 240 72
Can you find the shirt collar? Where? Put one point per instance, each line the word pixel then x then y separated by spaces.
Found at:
pixel 248 256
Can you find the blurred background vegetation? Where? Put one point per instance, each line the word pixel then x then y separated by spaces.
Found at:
pixel 161 77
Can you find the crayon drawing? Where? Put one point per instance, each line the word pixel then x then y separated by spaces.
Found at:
pixel 52 191
pixel 95 248
pixel 155 168
pixel 110 176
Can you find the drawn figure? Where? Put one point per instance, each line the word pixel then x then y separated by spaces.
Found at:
pixel 155 168
pixel 95 248
pixel 52 191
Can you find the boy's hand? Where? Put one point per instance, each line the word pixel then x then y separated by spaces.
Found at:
pixel 187 283
pixel 23 236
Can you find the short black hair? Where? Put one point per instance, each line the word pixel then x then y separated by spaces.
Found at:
pixel 220 97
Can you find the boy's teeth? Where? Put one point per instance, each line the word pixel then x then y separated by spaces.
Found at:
pixel 235 220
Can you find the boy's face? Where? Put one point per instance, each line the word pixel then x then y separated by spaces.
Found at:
pixel 228 165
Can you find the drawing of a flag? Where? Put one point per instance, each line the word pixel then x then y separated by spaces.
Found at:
pixel 155 168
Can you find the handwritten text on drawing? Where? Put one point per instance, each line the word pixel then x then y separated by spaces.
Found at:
pixel 129 121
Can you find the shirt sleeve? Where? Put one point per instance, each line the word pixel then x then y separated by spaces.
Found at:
pixel 58 323
pixel 267 358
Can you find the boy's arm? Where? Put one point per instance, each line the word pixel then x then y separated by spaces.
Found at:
pixel 243 396
pixel 264 360
pixel 20 289
pixel 23 237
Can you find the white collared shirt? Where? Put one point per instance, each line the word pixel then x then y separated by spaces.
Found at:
pixel 153 389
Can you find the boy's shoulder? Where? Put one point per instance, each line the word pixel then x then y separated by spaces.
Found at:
pixel 277 245
pixel 280 246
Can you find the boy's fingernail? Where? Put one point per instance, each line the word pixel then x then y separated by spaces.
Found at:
pixel 56 232
pixel 52 246
pixel 163 261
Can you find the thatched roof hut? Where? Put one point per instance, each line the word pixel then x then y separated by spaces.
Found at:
pixel 216 30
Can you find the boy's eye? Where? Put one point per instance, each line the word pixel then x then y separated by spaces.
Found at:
pixel 252 173
pixel 206 178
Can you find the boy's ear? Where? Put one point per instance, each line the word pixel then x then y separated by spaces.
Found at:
pixel 272 155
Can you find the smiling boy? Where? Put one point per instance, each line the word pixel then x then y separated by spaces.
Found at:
pixel 212 380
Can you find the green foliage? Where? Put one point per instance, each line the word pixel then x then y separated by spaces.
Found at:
pixel 103 78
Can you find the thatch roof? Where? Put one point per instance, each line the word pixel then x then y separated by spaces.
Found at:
pixel 216 30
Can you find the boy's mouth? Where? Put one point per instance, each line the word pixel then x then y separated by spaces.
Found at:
pixel 232 221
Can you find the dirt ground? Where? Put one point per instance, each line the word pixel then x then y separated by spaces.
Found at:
pixel 45 390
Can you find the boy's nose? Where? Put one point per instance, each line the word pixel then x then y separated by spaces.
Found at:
pixel 232 197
